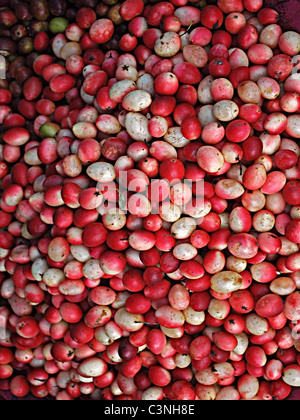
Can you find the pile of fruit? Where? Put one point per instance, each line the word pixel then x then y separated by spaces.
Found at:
pixel 149 200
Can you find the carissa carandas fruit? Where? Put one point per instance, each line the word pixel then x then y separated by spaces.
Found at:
pixel 150 201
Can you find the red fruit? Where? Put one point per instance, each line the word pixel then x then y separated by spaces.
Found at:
pixel 101 30
pixel 172 170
